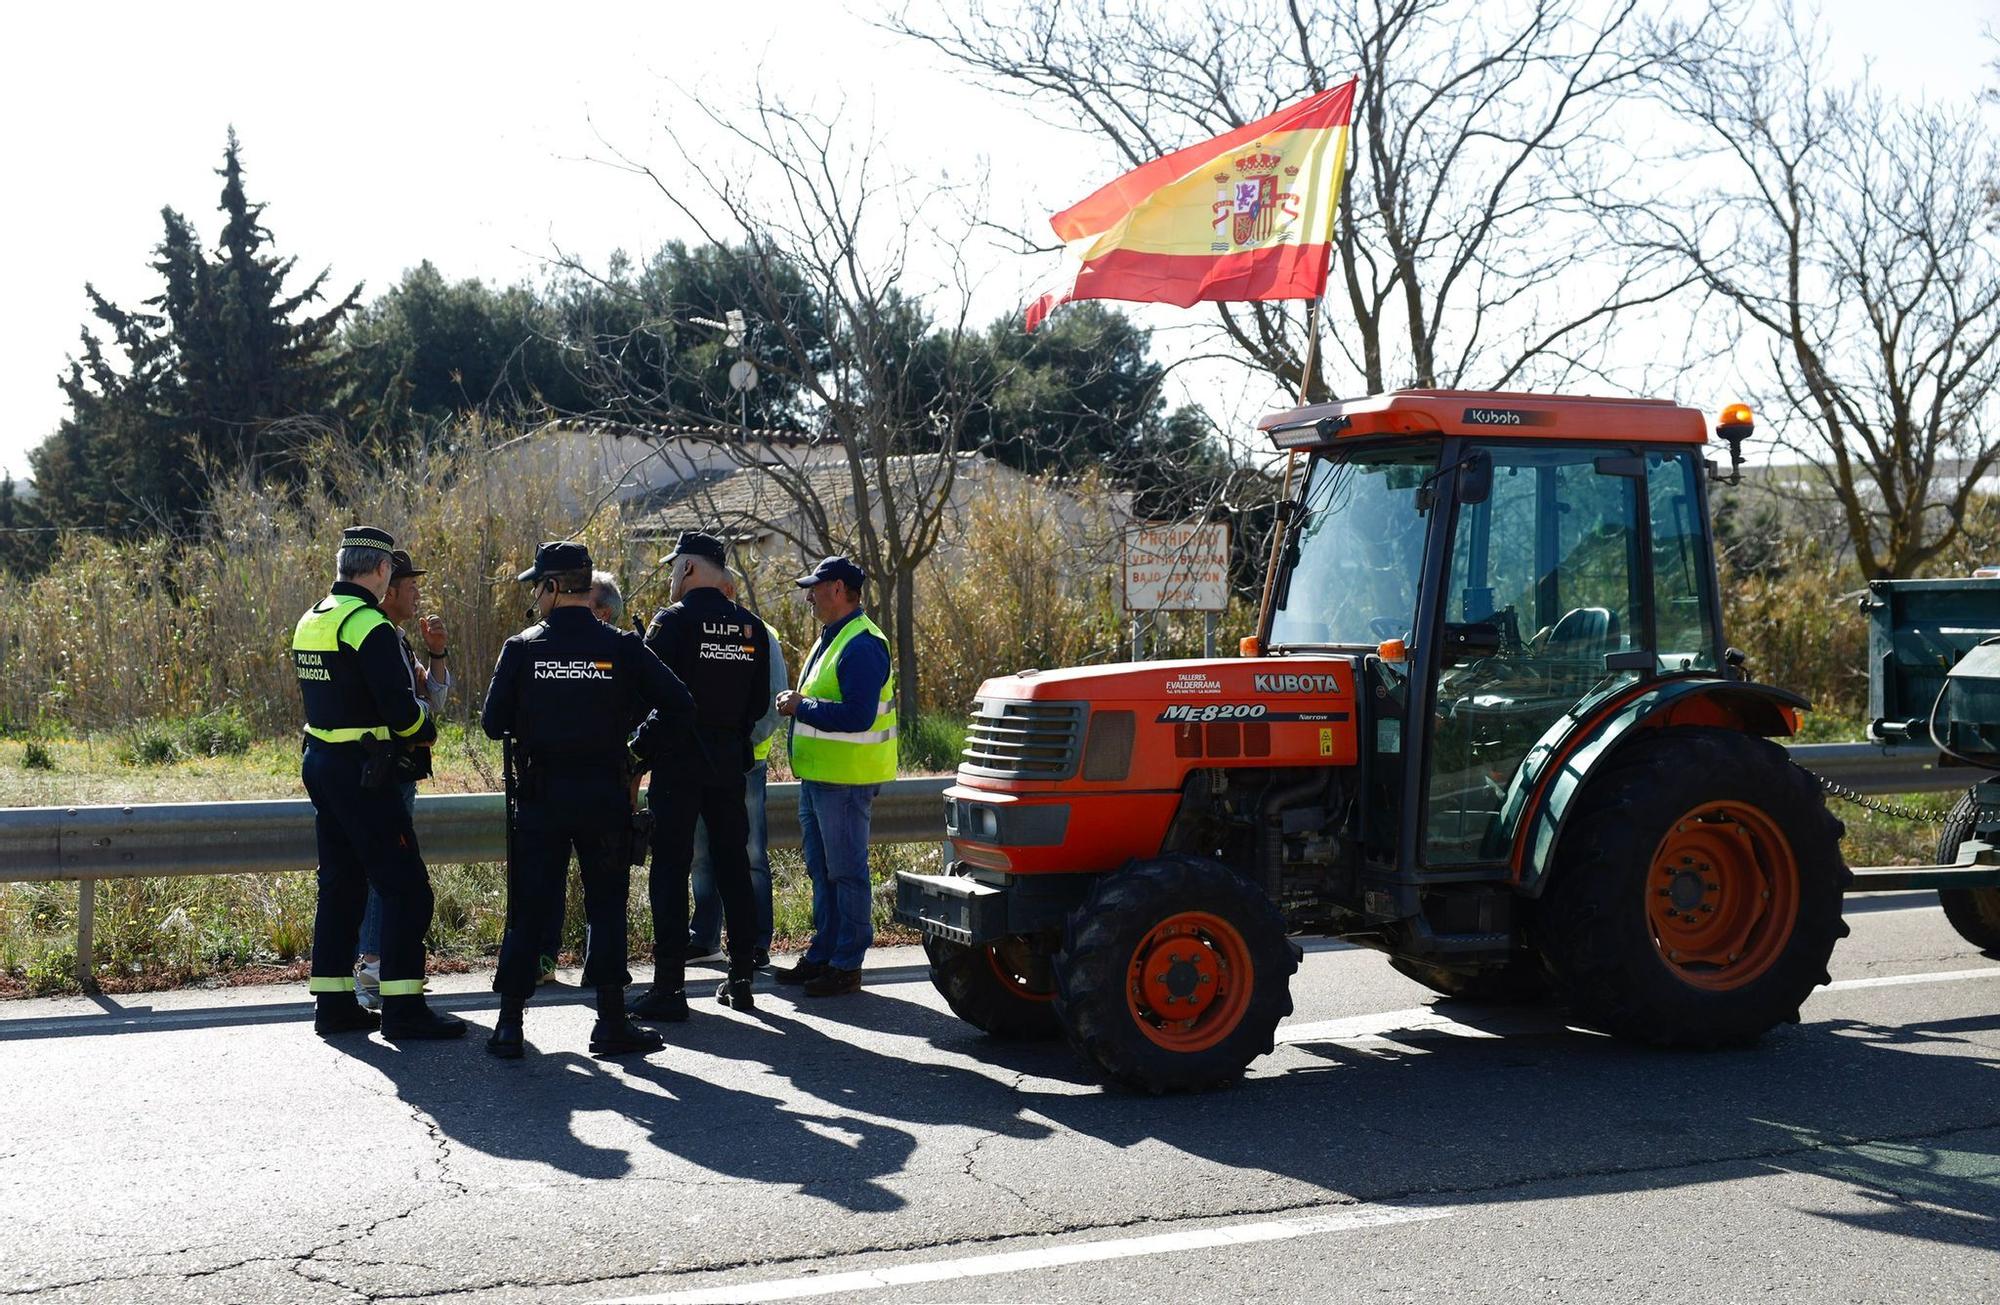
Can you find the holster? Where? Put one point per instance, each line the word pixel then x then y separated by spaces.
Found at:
pixel 642 836
pixel 378 763
pixel 529 781
pixel 412 763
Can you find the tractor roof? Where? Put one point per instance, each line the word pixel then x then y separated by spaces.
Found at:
pixel 1485 412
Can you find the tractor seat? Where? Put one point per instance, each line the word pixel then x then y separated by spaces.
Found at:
pixel 1584 632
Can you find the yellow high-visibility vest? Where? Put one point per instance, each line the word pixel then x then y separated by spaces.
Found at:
pixel 831 757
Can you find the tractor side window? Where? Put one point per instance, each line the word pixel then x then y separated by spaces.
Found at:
pixel 1550 562
pixel 1682 614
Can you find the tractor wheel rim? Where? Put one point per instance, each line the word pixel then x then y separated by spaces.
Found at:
pixel 1722 895
pixel 1012 975
pixel 1190 981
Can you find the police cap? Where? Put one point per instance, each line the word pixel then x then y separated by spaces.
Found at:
pixel 555 557
pixel 367 537
pixel 699 543
pixel 833 568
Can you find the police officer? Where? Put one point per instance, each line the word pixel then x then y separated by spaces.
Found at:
pixel 721 651
pixel 569 690
pixel 360 707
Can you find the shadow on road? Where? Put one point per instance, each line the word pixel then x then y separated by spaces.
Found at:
pixel 528 1110
pixel 1904 1114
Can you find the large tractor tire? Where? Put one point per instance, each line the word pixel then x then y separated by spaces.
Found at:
pixel 1697 891
pixel 1002 988
pixel 1974 912
pixel 1519 981
pixel 1173 975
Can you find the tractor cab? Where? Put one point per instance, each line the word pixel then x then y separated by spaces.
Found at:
pixel 1501 563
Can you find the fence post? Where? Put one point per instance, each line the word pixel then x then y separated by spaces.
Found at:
pixel 86 925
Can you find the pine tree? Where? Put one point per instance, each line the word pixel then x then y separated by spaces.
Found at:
pixel 224 370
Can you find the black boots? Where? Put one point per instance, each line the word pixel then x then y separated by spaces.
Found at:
pixel 660 1003
pixel 735 991
pixel 410 1019
pixel 615 1035
pixel 507 1042
pixel 338 1012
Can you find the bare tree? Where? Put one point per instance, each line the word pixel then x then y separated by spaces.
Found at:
pixel 834 245
pixel 1854 235
pixel 1466 247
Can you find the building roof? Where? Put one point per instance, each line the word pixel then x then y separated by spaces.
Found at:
pixel 748 502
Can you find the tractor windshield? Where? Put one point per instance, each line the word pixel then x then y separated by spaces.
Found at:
pixel 1355 552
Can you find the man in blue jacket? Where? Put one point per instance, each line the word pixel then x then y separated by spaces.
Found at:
pixel 843 749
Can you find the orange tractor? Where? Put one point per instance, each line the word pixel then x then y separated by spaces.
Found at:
pixel 1488 725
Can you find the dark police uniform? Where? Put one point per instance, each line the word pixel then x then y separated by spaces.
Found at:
pixel 359 706
pixel 570 690
pixel 721 651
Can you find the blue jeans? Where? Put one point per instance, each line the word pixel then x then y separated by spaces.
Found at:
pixel 833 818
pixel 371 919
pixel 705 928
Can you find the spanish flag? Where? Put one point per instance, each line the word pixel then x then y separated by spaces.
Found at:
pixel 1247 215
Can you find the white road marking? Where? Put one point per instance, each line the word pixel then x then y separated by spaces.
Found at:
pixel 986 1266
pixel 1898 980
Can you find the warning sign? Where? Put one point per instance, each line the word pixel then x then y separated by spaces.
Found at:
pixel 1170 568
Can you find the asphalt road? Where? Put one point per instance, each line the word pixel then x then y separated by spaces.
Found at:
pixel 205 1146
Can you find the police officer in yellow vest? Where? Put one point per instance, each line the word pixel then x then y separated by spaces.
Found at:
pixel 843 749
pixel 360 707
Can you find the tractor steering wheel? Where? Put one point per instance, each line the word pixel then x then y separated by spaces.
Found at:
pixel 1385 627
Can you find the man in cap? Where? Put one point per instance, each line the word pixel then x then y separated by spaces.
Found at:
pixel 360 703
pixel 430 679
pixel 569 690
pixel 843 749
pixel 705 926
pixel 722 652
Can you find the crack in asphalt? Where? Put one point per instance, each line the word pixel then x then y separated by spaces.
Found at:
pixel 1831 1143
pixel 971 1158
pixel 298 1264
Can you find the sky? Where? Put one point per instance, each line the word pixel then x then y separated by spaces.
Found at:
pixel 475 136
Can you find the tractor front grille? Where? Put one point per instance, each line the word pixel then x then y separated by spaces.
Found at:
pixel 1010 738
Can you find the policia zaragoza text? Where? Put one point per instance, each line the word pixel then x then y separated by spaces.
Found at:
pixel 361 707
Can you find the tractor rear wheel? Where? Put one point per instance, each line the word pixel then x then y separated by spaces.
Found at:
pixel 1001 988
pixel 1521 980
pixel 1697 891
pixel 1173 975
pixel 1974 912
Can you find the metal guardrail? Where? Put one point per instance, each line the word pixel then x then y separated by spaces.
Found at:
pixel 40 844
pixel 223 838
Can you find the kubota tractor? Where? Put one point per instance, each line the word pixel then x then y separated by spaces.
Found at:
pixel 1488 725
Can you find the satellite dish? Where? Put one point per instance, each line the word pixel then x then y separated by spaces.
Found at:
pixel 742 375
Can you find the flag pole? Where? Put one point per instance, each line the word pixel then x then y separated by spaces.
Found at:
pixel 1291 461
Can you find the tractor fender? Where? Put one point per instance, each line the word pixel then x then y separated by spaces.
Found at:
pixel 1558 768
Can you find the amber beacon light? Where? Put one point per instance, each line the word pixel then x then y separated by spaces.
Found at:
pixel 1735 426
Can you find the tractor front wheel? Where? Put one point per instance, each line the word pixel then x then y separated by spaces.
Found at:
pixel 1974 912
pixel 1001 988
pixel 1697 891
pixel 1174 974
